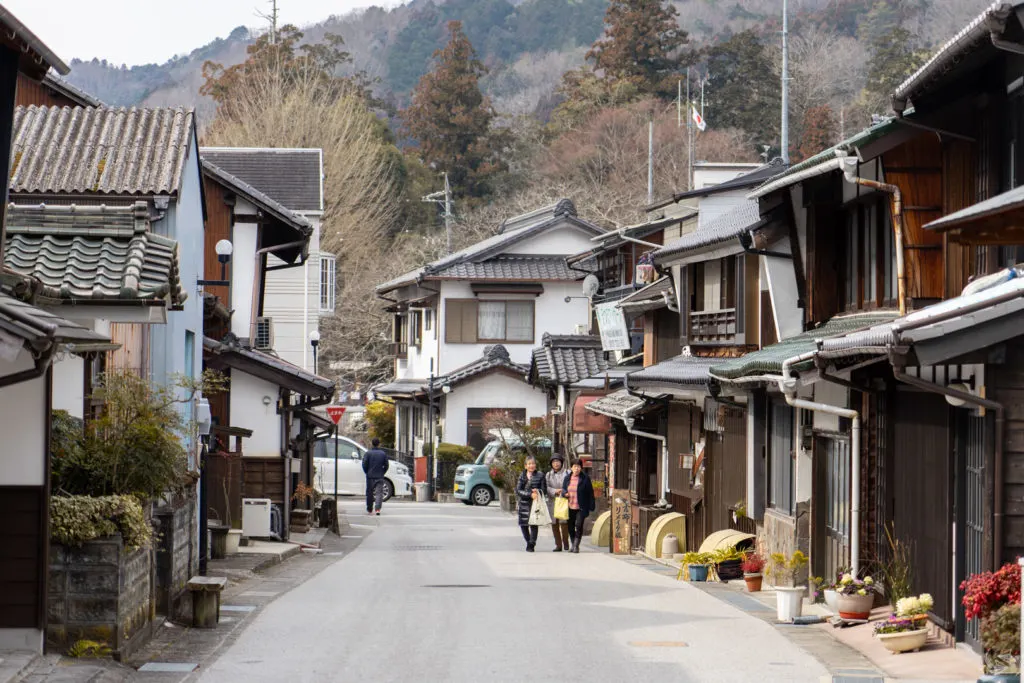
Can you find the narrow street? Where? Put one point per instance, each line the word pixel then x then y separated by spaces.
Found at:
pixel 446 593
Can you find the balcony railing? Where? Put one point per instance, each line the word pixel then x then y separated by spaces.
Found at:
pixel 713 326
pixel 399 349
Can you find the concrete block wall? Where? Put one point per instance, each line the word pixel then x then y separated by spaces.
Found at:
pixel 100 591
pixel 177 557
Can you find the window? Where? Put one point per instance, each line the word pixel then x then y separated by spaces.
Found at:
pixel 868 257
pixel 468 321
pixel 190 354
pixel 428 319
pixel 415 337
pixel 328 282
pixel 780 459
pixel 475 437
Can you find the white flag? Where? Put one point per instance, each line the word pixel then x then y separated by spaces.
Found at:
pixel 698 119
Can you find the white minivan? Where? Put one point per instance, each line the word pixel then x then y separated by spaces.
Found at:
pixel 351 479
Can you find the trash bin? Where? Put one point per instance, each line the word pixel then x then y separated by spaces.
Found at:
pixel 422 492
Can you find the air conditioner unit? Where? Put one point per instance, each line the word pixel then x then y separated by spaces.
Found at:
pixel 256 517
pixel 264 340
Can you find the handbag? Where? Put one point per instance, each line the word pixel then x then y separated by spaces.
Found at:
pixel 562 508
pixel 539 512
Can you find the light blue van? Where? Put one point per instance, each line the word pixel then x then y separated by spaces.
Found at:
pixel 473 485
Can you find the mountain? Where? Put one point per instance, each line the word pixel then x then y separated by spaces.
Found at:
pixel 526 44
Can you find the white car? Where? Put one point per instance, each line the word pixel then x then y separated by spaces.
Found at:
pixel 351 479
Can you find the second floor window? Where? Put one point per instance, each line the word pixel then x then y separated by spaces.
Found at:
pixel 868 257
pixel 470 321
pixel 328 282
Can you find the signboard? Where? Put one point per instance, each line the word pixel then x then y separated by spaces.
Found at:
pixel 587 422
pixel 335 413
pixel 622 522
pixel 612 323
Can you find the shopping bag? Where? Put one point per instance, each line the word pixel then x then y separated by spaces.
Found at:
pixel 562 508
pixel 539 512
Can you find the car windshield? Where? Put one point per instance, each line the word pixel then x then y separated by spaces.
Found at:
pixel 488 454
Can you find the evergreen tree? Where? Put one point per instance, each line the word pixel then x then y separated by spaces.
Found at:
pixel 451 119
pixel 642 44
pixel 744 91
pixel 894 56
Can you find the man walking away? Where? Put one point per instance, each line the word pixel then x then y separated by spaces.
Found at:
pixel 375 466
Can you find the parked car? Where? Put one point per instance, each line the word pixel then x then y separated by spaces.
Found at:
pixel 351 479
pixel 473 484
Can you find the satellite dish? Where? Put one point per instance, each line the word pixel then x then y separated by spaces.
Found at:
pixel 590 286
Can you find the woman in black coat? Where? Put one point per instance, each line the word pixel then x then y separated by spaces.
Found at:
pixel 529 487
pixel 580 492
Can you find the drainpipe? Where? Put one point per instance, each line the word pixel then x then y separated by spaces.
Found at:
pixel 667 296
pixel 629 422
pixel 848 165
pixel 788 386
pixel 998 475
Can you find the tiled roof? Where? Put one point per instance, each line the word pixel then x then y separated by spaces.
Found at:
pixel 512 267
pixel 751 179
pixel 260 199
pixel 770 358
pixel 618 404
pixel 402 387
pixel 70 90
pixel 489 248
pixel 231 353
pixel 1007 201
pixel 93 253
pixel 567 359
pixel 494 358
pixel 563 207
pixel 86 150
pixel 293 177
pixel 38 327
pixel 724 228
pixel 685 370
pixel 650 297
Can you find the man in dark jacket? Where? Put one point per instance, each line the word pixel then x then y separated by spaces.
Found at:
pixel 375 466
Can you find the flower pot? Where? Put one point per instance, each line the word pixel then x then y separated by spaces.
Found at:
pixel 698 572
pixel 789 602
pixel 831 600
pixel 855 606
pixel 904 641
pixel 753 582
pixel 730 570
pixel 233 541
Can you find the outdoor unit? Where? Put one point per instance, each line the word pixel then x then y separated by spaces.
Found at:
pixel 264 340
pixel 256 517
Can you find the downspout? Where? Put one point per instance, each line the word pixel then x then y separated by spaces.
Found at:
pixel 848 165
pixel 629 422
pixel 998 475
pixel 788 386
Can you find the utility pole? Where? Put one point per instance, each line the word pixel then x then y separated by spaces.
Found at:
pixel 444 199
pixel 689 131
pixel 679 105
pixel 785 84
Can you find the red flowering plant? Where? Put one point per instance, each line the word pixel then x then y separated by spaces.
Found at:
pixel 986 592
pixel 753 564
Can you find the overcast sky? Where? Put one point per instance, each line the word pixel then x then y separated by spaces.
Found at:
pixel 143 31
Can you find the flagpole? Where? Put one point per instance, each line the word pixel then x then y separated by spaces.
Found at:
pixel 689 130
pixel 679 105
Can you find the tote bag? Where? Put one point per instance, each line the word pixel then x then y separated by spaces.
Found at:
pixel 562 508
pixel 539 512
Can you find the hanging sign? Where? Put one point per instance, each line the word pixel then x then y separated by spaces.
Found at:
pixel 612 323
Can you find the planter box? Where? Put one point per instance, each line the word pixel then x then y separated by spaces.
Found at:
pixel 100 591
pixel 507 501
pixel 905 641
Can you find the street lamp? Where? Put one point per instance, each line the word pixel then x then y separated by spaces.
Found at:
pixel 314 341
pixel 223 249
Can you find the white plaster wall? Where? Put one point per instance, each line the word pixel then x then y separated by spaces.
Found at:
pixel 564 239
pixel 490 391
pixel 418 360
pixel 69 385
pixel 293 301
pixel 248 412
pixel 551 314
pixel 244 237
pixel 706 175
pixel 833 395
pixel 23 409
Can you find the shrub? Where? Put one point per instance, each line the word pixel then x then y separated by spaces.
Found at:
pixel 986 592
pixel 1000 636
pixel 380 418
pixel 451 452
pixel 784 569
pixel 77 519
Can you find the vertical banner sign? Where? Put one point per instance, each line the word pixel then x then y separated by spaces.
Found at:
pixel 612 323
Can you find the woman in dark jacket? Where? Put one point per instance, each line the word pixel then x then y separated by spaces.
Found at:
pixel 529 487
pixel 580 492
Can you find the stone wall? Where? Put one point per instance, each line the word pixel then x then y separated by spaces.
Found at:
pixel 177 557
pixel 780 533
pixel 102 592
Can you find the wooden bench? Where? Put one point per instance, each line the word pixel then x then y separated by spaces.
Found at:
pixel 206 599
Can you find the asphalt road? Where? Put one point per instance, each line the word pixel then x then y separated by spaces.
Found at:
pixel 447 593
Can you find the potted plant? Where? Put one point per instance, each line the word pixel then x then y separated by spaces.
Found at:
pixel 992 597
pixel 697 565
pixel 856 597
pixel 753 565
pixel 830 591
pixel 728 563
pixel 789 599
pixel 906 628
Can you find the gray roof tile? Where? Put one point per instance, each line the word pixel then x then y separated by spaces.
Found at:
pixel 86 150
pixel 567 359
pixel 512 267
pixel 684 370
pixel 260 199
pixel 231 353
pixel 494 358
pixel 93 253
pixel 618 404
pixel 292 177
pixel 726 227
pixel 37 326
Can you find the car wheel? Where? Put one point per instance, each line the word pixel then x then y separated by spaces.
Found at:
pixel 389 489
pixel 482 495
